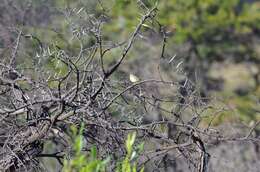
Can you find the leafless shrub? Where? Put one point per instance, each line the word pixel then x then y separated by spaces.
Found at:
pixel 39 104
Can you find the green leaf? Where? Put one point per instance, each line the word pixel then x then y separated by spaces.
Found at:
pixel 142 169
pixel 134 169
pixel 126 166
pixel 78 144
pixel 93 152
pixel 140 147
pixel 129 142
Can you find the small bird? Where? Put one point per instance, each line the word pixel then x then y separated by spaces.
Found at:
pixel 133 78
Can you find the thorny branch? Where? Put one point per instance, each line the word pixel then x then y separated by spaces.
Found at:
pixel 40 105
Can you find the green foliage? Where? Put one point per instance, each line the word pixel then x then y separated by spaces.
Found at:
pixel 82 162
pixel 129 163
pixel 213 27
pixel 237 108
pixel 210 23
pixel 216 30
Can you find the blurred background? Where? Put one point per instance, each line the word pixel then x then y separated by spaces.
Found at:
pixel 216 43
